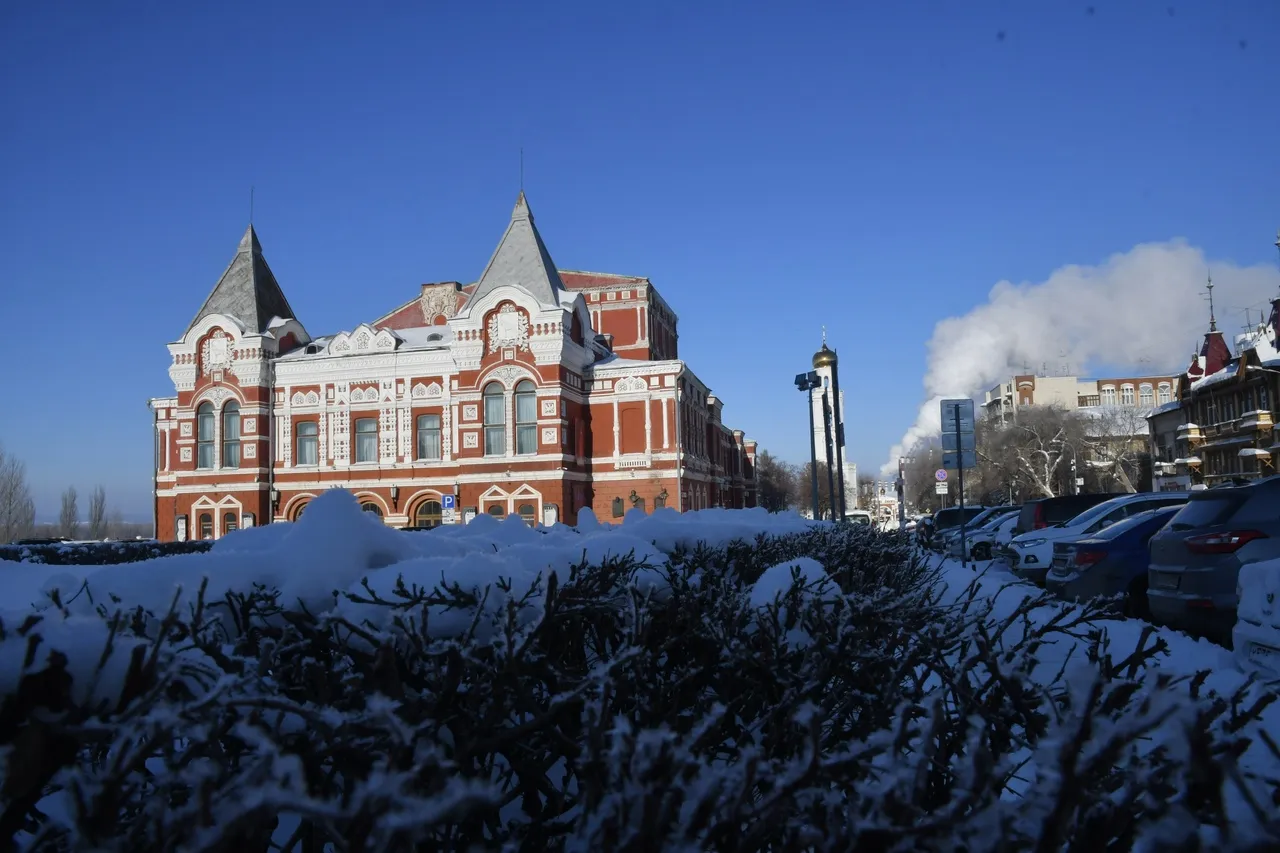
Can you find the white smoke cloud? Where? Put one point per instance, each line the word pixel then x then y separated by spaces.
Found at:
pixel 1144 308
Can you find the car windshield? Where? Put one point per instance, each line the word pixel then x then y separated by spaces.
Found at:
pixel 1124 525
pixel 1092 514
pixel 1205 512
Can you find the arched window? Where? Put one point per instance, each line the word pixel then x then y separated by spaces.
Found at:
pixel 429 514
pixel 367 440
pixel 230 522
pixel 429 437
pixel 1164 394
pixel 298 510
pixel 1146 396
pixel 372 507
pixel 1126 395
pixel 497 510
pixel 495 420
pixel 231 435
pixel 526 418
pixel 308 443
pixel 204 435
pixel 206 525
pixel 528 514
pixel 1109 396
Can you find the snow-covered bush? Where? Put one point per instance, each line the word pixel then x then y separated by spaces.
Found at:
pixel 97 553
pixel 809 690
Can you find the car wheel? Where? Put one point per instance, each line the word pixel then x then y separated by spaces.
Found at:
pixel 1136 605
pixel 982 551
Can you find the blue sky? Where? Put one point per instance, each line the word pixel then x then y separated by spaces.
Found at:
pixel 772 167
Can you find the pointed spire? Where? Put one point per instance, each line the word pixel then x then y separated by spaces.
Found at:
pixel 247 290
pixel 521 260
pixel 1213 321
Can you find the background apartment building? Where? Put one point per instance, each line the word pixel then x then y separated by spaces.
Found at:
pixel 1072 392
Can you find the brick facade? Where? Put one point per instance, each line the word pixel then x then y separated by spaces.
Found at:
pixel 533 392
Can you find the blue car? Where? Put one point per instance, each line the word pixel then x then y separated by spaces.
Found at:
pixel 1112 561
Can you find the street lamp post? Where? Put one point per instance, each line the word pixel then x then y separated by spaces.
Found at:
pixel 807 383
pixel 836 512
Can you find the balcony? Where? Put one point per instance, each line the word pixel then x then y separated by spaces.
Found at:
pixel 1259 420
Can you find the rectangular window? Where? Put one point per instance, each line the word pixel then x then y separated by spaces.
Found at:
pixel 231 440
pixel 308 443
pixel 367 440
pixel 495 416
pixel 526 423
pixel 429 445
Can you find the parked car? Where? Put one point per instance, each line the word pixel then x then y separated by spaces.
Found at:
pixel 1048 512
pixel 1112 561
pixel 952 534
pixel 1196 559
pixel 981 543
pixel 1030 553
pixel 945 519
pixel 858 516
pixel 1256 636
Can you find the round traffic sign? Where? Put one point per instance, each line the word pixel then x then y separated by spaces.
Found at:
pixel 941 475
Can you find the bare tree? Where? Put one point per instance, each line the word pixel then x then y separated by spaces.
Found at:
pixel 1036 450
pixel 17 509
pixel 116 525
pixel 98 513
pixel 69 517
pixel 1116 447
pixel 775 482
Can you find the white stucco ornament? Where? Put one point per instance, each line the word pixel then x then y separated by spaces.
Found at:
pixel 508 328
pixel 215 353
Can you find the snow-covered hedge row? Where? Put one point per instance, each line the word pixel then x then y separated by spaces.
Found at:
pixel 96 553
pixel 785 686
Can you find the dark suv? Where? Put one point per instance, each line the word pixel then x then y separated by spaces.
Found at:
pixel 1047 512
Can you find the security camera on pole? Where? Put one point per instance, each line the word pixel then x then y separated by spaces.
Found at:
pixel 959 451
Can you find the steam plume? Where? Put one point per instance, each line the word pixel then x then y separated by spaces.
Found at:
pixel 1143 308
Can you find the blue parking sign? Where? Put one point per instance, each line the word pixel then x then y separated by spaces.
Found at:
pixel 448 501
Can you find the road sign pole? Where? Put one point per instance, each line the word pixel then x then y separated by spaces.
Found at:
pixel 964 551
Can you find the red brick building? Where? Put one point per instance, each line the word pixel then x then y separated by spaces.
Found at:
pixel 534 391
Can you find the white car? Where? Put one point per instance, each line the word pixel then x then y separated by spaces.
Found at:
pixel 1256 637
pixel 1032 552
pixel 985 541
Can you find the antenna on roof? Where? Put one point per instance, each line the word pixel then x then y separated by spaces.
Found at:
pixel 1213 321
pixel 251 204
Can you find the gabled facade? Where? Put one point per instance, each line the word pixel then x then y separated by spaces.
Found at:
pixel 1224 425
pixel 533 392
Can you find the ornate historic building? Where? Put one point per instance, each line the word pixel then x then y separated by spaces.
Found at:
pixel 533 392
pixel 1221 429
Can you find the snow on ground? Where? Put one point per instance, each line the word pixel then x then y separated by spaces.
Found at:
pixel 1186 655
pixel 335 546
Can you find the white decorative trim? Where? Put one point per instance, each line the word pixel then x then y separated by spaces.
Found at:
pixel 549 407
pixel 215 352
pixel 185 454
pixel 184 429
pixel 251 425
pixel 508 327
pixel 250 450
pixel 216 395
pixel 509 375
pixel 630 385
pixel 549 435
pixel 470 413
pixel 470 440
pixel 438 300
pixel 427 392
